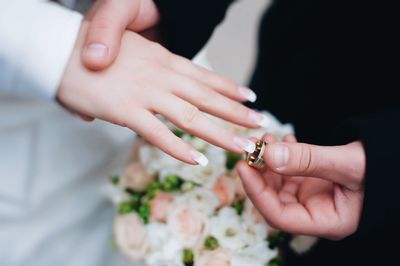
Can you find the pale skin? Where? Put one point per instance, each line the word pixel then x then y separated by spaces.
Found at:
pixel 145 79
pixel 312 190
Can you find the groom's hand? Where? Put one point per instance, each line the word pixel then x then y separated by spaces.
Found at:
pixel 108 21
pixel 308 189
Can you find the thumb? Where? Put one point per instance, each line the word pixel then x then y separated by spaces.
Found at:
pixel 339 164
pixel 108 23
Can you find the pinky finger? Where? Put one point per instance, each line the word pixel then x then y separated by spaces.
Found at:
pixel 158 134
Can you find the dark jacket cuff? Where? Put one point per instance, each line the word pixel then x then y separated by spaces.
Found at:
pixel 380 135
pixel 187 25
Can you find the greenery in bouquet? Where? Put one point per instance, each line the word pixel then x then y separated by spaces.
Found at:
pixel 173 214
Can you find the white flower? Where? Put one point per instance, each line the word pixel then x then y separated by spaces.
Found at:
pixel 199 199
pixel 255 233
pixel 115 193
pixel 130 236
pixel 205 176
pixel 170 254
pixel 301 244
pixel 250 213
pixel 272 126
pixel 186 225
pixel 228 229
pixel 163 249
pixel 255 255
pixel 136 177
pixel 218 257
pixel 156 160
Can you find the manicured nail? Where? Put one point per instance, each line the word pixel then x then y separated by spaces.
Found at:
pixel 248 94
pixel 245 144
pixel 259 119
pixel 280 155
pixel 96 50
pixel 199 158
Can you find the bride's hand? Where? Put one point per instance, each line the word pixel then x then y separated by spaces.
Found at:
pixel 146 80
pixel 307 189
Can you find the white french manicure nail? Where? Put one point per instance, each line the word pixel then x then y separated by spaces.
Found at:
pixel 96 50
pixel 245 144
pixel 259 119
pixel 199 158
pixel 248 94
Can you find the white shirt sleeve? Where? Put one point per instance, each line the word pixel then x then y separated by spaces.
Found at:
pixel 36 41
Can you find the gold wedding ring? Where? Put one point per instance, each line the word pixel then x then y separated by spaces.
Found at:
pixel 255 159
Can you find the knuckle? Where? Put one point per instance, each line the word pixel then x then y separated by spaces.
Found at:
pixel 306 162
pixel 102 23
pixel 189 116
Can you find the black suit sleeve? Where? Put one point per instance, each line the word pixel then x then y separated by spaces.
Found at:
pixel 380 134
pixel 187 25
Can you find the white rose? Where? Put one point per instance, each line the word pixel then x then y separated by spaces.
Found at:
pixel 205 176
pixel 228 229
pixel 186 225
pixel 136 177
pixel 218 257
pixel 158 236
pixel 156 160
pixel 169 254
pixel 255 255
pixel 199 199
pixel 116 194
pixel 255 233
pixel 250 213
pixel 272 126
pixel 130 236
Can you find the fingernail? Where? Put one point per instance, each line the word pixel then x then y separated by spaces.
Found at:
pixel 96 50
pixel 248 94
pixel 199 158
pixel 245 144
pixel 259 119
pixel 280 155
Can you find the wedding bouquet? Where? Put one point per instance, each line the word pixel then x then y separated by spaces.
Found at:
pixel 173 214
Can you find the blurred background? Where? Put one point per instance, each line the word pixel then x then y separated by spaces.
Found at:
pixel 231 51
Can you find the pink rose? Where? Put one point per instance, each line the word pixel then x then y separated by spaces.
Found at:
pixel 239 189
pixel 130 236
pixel 186 225
pixel 136 177
pixel 159 206
pixel 224 188
pixel 218 257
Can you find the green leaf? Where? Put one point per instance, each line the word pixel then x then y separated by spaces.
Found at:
pixel 232 159
pixel 114 180
pixel 188 257
pixel 277 261
pixel 238 206
pixel 172 183
pixel 125 208
pixel 144 212
pixel 277 239
pixel 211 243
pixel 179 133
pixel 114 245
pixel 153 189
